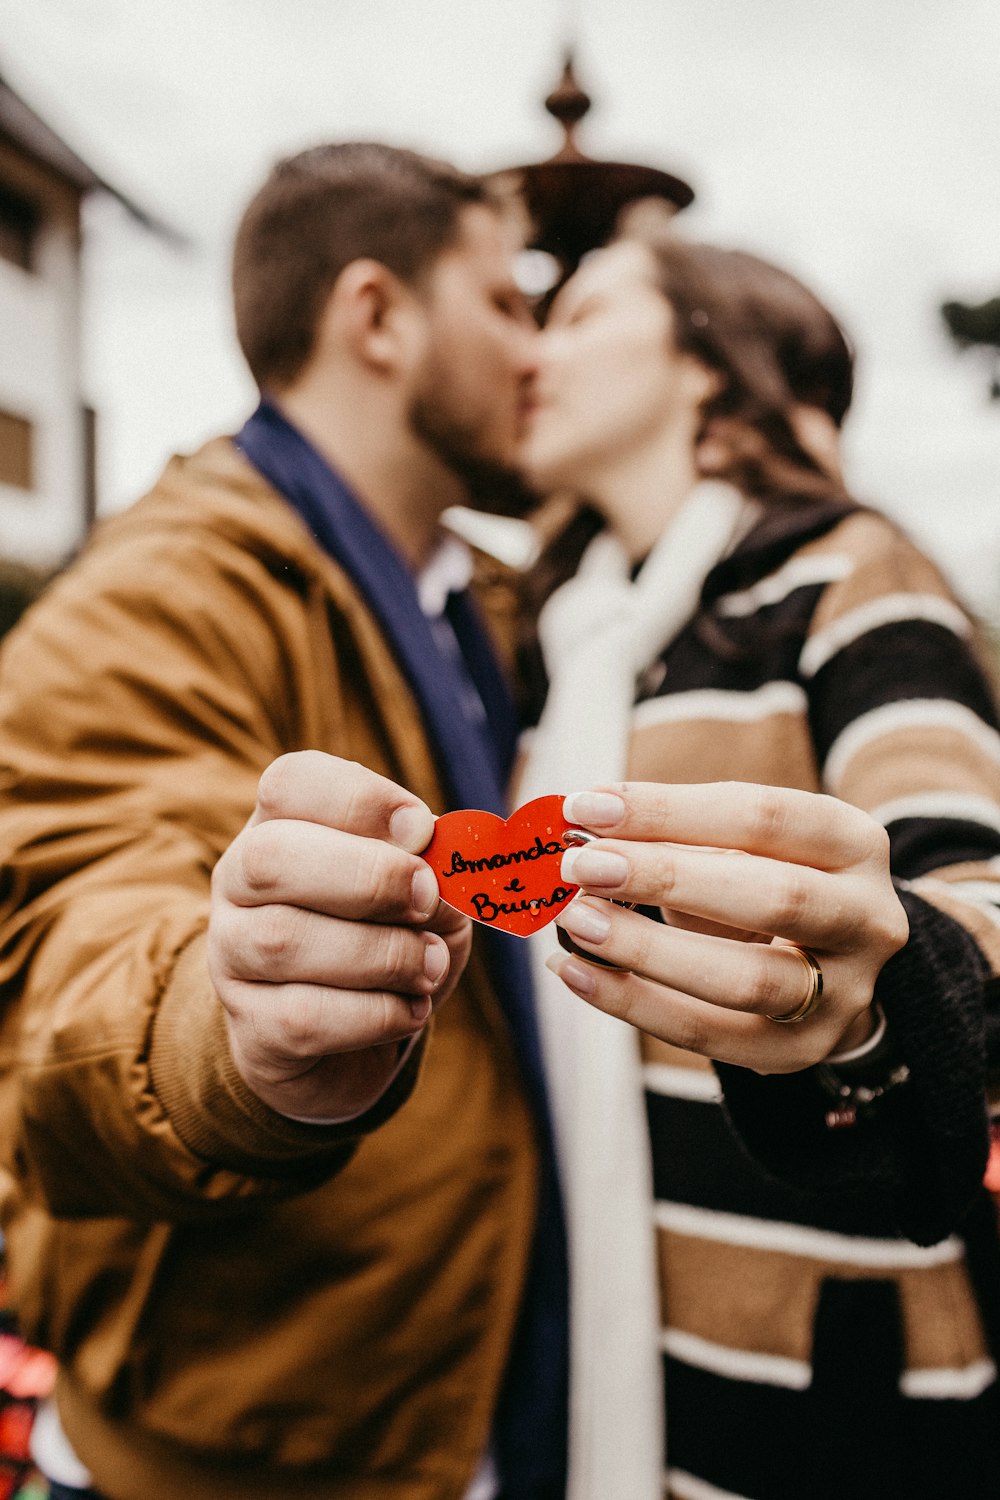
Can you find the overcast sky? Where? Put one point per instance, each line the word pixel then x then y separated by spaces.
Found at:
pixel 856 143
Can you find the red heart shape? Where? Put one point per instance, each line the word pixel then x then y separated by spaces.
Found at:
pixel 503 872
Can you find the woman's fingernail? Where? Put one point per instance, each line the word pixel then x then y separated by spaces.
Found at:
pixel 421 1009
pixel 424 891
pixel 584 921
pixel 576 976
pixel 435 961
pixel 590 867
pixel 594 809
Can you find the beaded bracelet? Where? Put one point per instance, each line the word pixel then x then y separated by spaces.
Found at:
pixel 857 1080
pixel 853 1101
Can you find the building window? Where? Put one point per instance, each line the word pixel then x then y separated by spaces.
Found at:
pixel 17 457
pixel 20 220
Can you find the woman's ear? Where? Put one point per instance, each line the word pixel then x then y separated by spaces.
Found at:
pixel 702 382
pixel 372 317
pixel 818 435
pixel 726 445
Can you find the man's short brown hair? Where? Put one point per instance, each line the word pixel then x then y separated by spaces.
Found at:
pixel 317 212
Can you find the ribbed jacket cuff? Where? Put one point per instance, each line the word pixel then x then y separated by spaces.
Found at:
pixel 211 1108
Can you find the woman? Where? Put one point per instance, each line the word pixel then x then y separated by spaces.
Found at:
pixel 736 645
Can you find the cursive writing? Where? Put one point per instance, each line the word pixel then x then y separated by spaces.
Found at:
pixel 538 850
pixel 488 910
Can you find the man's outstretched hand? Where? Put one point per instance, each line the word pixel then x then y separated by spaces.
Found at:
pixel 328 943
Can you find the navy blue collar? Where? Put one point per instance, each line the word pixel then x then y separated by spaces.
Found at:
pixel 474 760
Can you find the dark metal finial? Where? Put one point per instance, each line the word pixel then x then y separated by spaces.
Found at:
pixel 575 202
pixel 568 104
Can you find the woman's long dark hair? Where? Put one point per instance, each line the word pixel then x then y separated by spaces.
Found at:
pixel 776 348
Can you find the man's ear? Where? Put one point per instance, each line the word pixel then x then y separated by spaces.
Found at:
pixel 372 315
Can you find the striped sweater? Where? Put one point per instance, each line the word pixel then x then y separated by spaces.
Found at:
pixel 826 1294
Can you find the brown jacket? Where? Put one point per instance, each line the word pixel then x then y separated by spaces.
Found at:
pixel 243 1306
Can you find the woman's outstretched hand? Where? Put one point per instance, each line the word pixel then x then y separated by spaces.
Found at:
pixel 740 872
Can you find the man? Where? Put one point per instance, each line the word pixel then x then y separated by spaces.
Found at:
pixel 263 1277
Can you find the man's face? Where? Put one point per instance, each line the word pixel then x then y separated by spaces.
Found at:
pixel 471 389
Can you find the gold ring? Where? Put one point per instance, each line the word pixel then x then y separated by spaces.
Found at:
pixel 815 986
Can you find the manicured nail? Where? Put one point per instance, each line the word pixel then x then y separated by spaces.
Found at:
pixel 421 1009
pixel 424 891
pixel 576 976
pixel 435 961
pixel 594 809
pixel 410 828
pixel 592 867
pixel 585 921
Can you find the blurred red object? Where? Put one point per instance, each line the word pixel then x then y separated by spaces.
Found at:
pixel 15 1430
pixel 991 1179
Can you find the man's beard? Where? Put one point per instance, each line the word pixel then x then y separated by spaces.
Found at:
pixel 490 485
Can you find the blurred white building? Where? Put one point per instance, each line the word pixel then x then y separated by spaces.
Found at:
pixel 47 432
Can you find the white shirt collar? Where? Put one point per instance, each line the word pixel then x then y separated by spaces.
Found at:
pixel 448 570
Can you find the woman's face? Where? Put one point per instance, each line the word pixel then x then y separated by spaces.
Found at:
pixel 610 378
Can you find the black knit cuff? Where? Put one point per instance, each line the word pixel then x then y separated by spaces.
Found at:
pixel 915 1163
